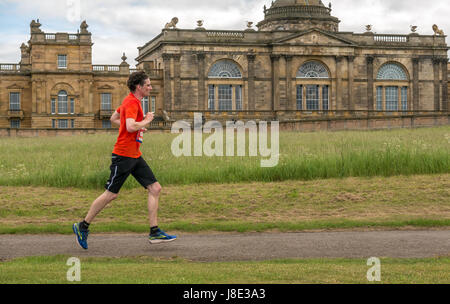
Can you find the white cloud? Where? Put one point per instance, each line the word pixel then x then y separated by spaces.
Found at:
pixel 388 16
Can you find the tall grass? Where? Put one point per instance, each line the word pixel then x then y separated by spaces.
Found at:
pixel 83 161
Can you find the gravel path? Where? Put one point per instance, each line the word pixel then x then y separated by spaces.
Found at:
pixel 239 246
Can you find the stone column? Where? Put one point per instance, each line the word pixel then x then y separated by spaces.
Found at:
pixel 34 107
pixel 415 88
pixel 39 97
pixel 167 83
pixel 437 89
pixel 201 82
pixel 275 82
pixel 84 98
pixel 251 82
pixel 90 96
pixel 177 83
pixel 290 104
pixel 370 82
pixel 339 104
pixel 350 105
pixel 444 85
pixel 46 97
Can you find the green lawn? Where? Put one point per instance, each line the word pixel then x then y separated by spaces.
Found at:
pixel 83 161
pixel 145 270
pixel 328 180
pixel 377 202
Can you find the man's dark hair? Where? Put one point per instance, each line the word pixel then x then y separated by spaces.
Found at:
pixel 136 78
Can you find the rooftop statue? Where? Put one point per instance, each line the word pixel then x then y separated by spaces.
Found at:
pixel 83 27
pixel 35 27
pixel 172 24
pixel 437 31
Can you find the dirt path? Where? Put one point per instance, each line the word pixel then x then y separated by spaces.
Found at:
pixel 239 247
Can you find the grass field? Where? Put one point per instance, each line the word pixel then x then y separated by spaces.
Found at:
pixel 390 202
pixel 145 270
pixel 324 181
pixel 83 161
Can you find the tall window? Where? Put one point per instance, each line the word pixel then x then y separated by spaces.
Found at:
pixel 153 106
pixel 211 96
pixel 299 97
pixel 404 98
pixel 225 87
pixel 144 104
pixel 72 106
pixel 53 106
pixel 62 61
pixel 313 87
pixel 391 98
pixel 325 98
pixel 105 103
pixel 379 98
pixel 14 101
pixel 238 91
pixel 225 97
pixel 62 102
pixel 312 97
pixel 392 88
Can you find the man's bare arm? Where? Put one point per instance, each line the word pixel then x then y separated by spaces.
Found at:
pixel 115 118
pixel 133 126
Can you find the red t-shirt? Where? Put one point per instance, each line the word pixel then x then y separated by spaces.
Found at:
pixel 126 144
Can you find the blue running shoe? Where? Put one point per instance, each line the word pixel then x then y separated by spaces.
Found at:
pixel 81 235
pixel 161 237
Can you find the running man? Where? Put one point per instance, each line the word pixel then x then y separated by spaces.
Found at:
pixel 127 159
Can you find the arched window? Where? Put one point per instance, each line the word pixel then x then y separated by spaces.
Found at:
pixel 62 102
pixel 313 87
pixel 225 85
pixel 313 69
pixel 391 71
pixel 392 88
pixel 225 69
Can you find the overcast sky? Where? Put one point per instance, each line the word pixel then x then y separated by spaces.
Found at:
pixel 119 26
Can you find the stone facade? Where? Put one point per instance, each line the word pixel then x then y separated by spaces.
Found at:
pixel 362 74
pixel 296 68
pixel 55 85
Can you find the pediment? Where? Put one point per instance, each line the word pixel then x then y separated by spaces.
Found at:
pixel 315 37
pixel 105 87
pixel 14 87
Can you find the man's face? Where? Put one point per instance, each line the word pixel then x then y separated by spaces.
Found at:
pixel 146 88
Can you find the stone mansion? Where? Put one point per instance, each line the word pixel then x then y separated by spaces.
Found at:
pixel 295 66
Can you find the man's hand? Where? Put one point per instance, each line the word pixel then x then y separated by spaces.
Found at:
pixel 149 117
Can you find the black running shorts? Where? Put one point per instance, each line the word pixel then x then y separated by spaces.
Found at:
pixel 121 167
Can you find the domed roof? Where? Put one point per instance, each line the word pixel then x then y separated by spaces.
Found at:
pixel 280 3
pixel 298 15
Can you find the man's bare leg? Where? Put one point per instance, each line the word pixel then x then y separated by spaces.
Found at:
pixel 153 201
pixel 99 204
pixel 156 235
